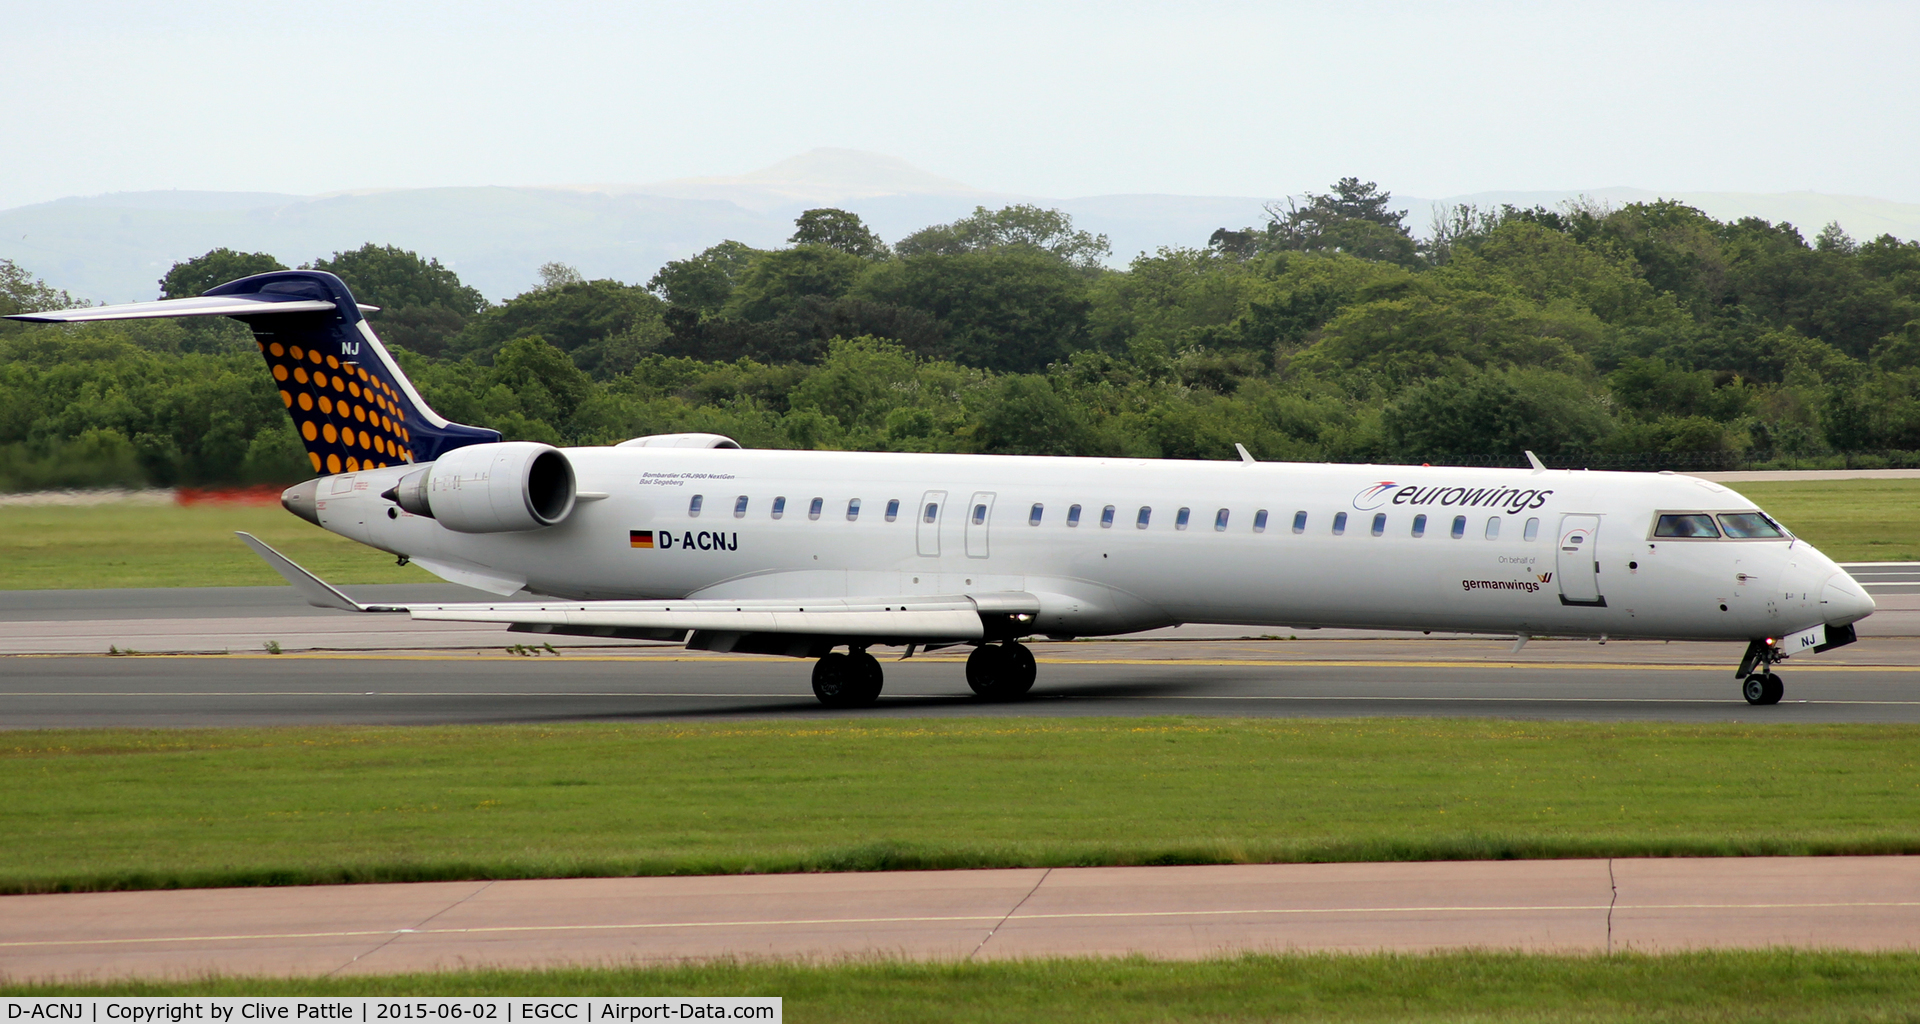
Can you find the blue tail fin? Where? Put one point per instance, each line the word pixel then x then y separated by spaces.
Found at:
pixel 349 401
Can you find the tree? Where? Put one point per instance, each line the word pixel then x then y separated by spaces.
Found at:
pixel 1354 218
pixel 1014 310
pixel 1014 227
pixel 21 292
pixel 422 304
pixel 838 229
pixel 777 280
pixel 1028 417
pixel 704 281
pixel 571 318
pixel 193 277
pixel 556 275
pixel 1479 413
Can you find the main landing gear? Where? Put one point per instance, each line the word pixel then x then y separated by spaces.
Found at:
pixel 1759 684
pixel 850 680
pixel 1001 671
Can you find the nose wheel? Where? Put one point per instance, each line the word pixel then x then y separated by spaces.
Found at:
pixel 1759 684
pixel 1763 688
pixel 851 680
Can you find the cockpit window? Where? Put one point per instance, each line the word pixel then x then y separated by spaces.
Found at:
pixel 1744 525
pixel 1686 524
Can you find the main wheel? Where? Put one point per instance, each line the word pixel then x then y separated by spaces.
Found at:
pixel 1020 669
pixel 1000 671
pixel 841 682
pixel 985 668
pixel 868 677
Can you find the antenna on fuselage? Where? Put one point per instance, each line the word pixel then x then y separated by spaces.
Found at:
pixel 1245 455
pixel 1534 461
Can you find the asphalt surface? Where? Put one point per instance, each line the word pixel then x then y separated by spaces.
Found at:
pixel 204 664
pixel 1567 680
pixel 1563 906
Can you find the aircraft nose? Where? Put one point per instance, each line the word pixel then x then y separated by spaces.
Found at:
pixel 1843 600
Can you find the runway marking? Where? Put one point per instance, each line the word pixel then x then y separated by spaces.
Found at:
pixel 952 919
pixel 942 660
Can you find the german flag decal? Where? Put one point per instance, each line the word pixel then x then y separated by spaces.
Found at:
pixel 640 538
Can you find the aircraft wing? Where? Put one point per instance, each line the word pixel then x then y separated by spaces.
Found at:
pixel 917 619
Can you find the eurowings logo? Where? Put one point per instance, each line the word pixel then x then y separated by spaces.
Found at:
pixel 1373 497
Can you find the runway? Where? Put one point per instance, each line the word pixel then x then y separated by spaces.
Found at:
pixel 1559 906
pixel 1873 681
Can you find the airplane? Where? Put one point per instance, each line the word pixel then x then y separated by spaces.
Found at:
pixel 827 555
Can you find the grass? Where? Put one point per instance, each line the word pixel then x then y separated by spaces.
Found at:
pixel 1849 520
pixel 170 546
pixel 108 809
pixel 46 547
pixel 1765 985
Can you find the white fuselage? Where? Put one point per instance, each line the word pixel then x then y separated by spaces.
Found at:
pixel 1587 565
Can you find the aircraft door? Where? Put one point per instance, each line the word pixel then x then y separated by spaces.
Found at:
pixel 933 505
pixel 1578 561
pixel 979 518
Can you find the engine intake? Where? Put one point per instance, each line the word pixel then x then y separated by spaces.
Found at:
pixel 491 488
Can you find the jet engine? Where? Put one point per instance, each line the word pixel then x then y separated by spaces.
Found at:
pixel 491 488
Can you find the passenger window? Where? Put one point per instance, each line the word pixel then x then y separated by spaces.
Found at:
pixel 893 509
pixel 779 506
pixel 1181 518
pixel 853 509
pixel 1420 525
pixel 1339 523
pixel 1260 521
pixel 1690 524
pixel 1146 513
pixel 813 508
pixel 1106 518
pixel 1532 531
pixel 1748 525
pixel 1220 521
pixel 1033 514
pixel 740 507
pixel 1459 527
pixel 693 507
pixel 979 514
pixel 932 512
pixel 1493 528
pixel 1299 522
pixel 1379 523
pixel 1073 515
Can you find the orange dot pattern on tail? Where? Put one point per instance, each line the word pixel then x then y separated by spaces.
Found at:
pixel 350 419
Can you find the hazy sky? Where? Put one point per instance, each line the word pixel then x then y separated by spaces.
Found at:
pixel 1035 97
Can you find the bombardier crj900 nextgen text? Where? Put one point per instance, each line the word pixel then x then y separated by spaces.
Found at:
pixel 809 554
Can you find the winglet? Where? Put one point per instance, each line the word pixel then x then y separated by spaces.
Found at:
pixel 1245 455
pixel 317 592
pixel 1534 461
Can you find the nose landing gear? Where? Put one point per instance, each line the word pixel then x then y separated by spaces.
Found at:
pixel 1763 686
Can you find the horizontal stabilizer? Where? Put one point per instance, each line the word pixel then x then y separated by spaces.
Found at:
pixel 315 590
pixel 200 305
